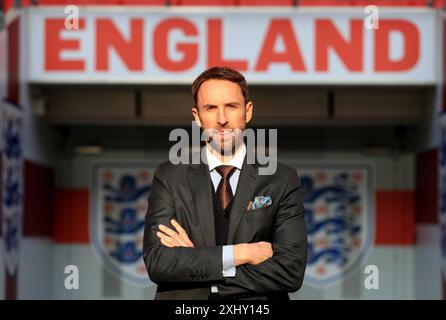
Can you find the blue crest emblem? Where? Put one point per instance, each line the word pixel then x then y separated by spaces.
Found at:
pixel 119 205
pixel 339 220
pixel 12 184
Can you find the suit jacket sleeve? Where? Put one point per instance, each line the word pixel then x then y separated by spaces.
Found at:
pixel 178 264
pixel 284 271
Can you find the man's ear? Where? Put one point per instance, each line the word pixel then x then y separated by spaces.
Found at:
pixel 196 117
pixel 249 107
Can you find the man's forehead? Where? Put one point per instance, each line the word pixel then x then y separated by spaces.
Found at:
pixel 216 89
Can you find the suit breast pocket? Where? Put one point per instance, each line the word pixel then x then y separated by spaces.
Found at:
pixel 259 214
pixel 260 224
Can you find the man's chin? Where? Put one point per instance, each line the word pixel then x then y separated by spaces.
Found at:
pixel 223 149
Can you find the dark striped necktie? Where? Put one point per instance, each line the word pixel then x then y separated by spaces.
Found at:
pixel 224 191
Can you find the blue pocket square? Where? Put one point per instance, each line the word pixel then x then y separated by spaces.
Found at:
pixel 259 202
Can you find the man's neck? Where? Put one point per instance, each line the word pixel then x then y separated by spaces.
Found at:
pixel 225 158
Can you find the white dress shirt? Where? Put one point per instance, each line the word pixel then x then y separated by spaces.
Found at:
pixel 213 162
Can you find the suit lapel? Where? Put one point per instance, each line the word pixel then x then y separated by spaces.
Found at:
pixel 245 188
pixel 200 185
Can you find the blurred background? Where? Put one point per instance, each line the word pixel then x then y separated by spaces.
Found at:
pixel 91 90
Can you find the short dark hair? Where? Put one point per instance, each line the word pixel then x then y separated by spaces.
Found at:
pixel 220 73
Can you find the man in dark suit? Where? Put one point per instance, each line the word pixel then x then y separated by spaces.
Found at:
pixel 220 230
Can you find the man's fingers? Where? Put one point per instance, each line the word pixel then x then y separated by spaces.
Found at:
pixel 168 231
pixel 166 243
pixel 166 240
pixel 173 235
pixel 181 232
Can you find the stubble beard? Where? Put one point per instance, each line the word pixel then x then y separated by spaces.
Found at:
pixel 225 147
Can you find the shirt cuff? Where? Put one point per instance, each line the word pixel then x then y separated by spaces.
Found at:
pixel 228 261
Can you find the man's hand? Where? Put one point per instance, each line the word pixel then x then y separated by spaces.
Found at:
pixel 252 253
pixel 171 239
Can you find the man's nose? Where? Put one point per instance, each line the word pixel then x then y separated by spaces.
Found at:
pixel 221 117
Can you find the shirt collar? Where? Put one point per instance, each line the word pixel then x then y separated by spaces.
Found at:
pixel 236 161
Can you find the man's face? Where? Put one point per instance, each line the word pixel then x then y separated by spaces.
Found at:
pixel 222 113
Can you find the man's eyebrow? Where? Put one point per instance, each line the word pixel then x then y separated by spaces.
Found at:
pixel 208 105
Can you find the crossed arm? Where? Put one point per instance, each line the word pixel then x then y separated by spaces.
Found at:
pixel 251 253
pixel 262 267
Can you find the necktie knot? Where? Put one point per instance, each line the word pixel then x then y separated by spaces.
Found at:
pixel 225 171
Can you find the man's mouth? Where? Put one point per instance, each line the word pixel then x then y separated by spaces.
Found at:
pixel 224 132
pixel 222 135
